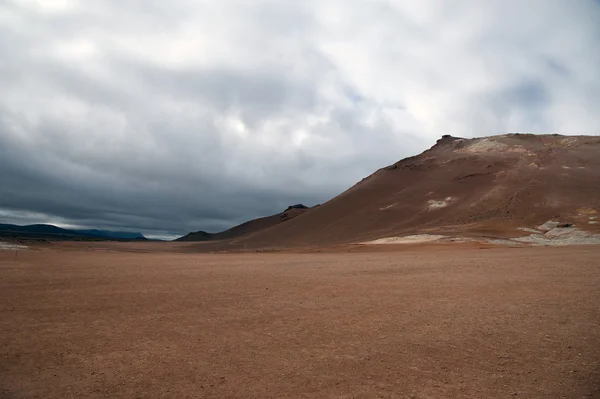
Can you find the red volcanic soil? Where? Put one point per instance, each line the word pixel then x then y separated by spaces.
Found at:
pixel 127 320
pixel 461 187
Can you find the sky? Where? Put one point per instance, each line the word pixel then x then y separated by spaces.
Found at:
pixel 166 117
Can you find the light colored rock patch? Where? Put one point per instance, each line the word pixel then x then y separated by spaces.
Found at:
pixel 592 222
pixel 6 246
pixel 528 230
pixel 569 141
pixel 563 232
pixel 432 205
pixel 549 225
pixel 520 150
pixel 413 239
pixel 561 236
pixel 486 145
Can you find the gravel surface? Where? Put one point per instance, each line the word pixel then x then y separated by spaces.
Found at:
pixel 142 320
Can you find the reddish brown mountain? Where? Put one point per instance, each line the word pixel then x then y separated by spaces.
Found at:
pixel 471 187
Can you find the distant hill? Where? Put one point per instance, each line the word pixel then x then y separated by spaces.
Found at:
pixel 248 228
pixel 51 232
pixel 124 235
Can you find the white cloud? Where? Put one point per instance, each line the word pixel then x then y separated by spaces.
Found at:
pixel 49 6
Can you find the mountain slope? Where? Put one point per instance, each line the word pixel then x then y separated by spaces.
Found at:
pixel 484 186
pixel 249 227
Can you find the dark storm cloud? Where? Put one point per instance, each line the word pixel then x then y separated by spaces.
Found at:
pixel 168 117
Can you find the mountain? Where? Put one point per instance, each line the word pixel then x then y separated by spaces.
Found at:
pixel 489 186
pixel 36 230
pixel 248 228
pixel 52 232
pixel 119 235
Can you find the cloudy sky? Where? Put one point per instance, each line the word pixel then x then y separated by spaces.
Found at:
pixel 174 116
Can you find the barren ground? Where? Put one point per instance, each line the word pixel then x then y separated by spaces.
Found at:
pixel 150 321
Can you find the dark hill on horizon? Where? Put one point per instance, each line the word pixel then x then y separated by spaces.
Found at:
pixel 488 186
pixel 117 235
pixel 51 232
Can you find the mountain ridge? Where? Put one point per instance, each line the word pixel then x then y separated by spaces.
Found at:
pixel 41 230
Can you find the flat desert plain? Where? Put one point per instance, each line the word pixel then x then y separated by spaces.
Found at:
pixel 154 321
